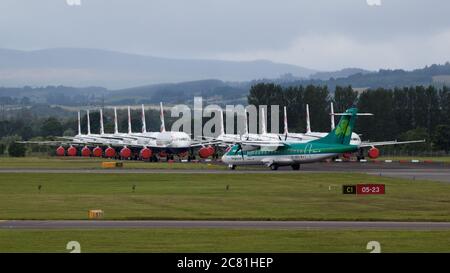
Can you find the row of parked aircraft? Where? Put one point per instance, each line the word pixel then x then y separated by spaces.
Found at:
pixel 246 148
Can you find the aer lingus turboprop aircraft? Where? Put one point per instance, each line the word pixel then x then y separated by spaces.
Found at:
pixel 355 139
pixel 275 154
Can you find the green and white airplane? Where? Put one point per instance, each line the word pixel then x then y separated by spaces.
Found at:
pixel 278 153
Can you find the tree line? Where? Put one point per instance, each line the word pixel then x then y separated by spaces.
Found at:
pixel 399 113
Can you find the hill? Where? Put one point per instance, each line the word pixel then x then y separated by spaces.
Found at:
pixel 115 70
pixel 435 74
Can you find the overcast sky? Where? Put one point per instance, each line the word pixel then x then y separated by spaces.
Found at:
pixel 318 34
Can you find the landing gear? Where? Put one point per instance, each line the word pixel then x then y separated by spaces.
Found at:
pixel 360 154
pixel 154 158
pixel 232 167
pixel 274 167
pixel 295 167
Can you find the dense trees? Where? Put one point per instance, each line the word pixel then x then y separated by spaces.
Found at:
pixel 295 99
pixel 400 113
pixel 344 97
pixel 52 127
pixel 17 149
pixel 442 137
pixel 381 125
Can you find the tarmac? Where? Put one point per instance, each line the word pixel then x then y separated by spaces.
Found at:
pixel 415 171
pixel 288 225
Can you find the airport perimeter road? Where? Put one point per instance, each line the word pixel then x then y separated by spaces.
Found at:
pixel 85 224
pixel 417 171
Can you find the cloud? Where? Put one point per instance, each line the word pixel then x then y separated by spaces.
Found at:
pixel 336 51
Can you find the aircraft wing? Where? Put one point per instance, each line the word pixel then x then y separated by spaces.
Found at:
pixel 207 142
pixel 202 144
pixel 384 143
pixel 52 142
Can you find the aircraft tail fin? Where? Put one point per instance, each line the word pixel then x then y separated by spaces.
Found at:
pixel 308 122
pixel 116 127
pixel 129 120
pixel 222 126
pixel 286 132
pixel 144 125
pixel 102 129
pixel 88 123
pixel 263 122
pixel 161 116
pixel 332 116
pixel 79 123
pixel 343 132
pixel 246 122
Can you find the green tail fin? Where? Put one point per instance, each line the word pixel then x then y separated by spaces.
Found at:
pixel 342 134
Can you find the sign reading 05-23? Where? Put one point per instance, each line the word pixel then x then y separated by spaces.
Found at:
pixel 364 189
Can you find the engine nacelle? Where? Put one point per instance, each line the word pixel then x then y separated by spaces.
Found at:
pixel 60 151
pixel 72 151
pixel 347 155
pixel 97 152
pixel 374 153
pixel 86 152
pixel 162 154
pixel 145 153
pixel 125 152
pixel 110 152
pixel 206 152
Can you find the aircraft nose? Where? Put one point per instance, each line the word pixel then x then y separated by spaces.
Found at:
pixel 225 158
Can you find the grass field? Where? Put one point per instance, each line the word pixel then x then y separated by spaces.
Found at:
pixel 220 240
pixel 268 196
pixel 92 163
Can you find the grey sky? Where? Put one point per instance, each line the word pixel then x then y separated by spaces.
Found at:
pixel 319 34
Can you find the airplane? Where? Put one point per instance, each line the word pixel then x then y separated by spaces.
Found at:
pixel 309 135
pixel 164 142
pixel 79 140
pixel 93 140
pixel 231 139
pixel 228 140
pixel 373 151
pixel 282 153
pixel 222 140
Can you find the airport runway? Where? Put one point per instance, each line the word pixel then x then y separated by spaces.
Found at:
pixel 414 171
pixel 291 225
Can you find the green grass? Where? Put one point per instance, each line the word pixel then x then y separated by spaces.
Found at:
pixel 92 163
pixel 268 196
pixel 222 240
pixel 445 159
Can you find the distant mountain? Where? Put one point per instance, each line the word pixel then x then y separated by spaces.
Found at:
pixel 344 73
pixel 115 70
pixel 212 90
pixel 437 75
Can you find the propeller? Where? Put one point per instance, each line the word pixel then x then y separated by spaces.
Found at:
pixel 239 149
